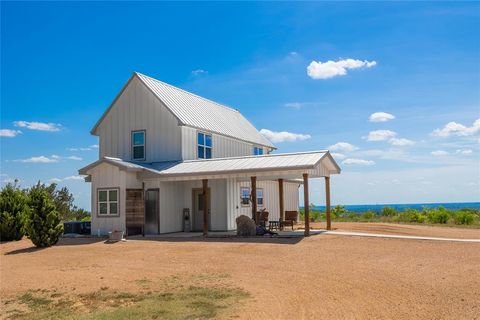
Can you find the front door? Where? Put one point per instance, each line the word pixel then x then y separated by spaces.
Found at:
pixel 152 225
pixel 198 210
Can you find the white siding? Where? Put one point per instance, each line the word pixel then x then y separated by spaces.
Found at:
pixel 108 176
pixel 138 109
pixel 222 146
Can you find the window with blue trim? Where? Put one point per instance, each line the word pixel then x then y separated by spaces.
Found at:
pixel 257 151
pixel 204 146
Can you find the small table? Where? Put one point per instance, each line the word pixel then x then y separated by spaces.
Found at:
pixel 274 225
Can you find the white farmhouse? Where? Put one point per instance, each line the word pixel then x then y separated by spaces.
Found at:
pixel 163 149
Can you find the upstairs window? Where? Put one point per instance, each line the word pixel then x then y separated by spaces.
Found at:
pixel 108 202
pixel 257 151
pixel 204 142
pixel 245 196
pixel 138 145
pixel 260 197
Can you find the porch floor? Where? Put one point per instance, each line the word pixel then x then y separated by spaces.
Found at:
pixel 225 234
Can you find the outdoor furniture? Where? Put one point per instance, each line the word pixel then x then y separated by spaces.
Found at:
pixel 290 219
pixel 273 225
pixel 262 218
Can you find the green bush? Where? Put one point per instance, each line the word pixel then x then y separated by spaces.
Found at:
pixel 369 215
pixel 13 209
pixel 43 224
pixel 388 212
pixel 464 217
pixel 411 215
pixel 437 215
pixel 353 216
pixel 338 211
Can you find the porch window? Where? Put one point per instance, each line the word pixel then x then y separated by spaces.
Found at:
pixel 257 151
pixel 260 197
pixel 138 145
pixel 245 196
pixel 204 148
pixel 107 202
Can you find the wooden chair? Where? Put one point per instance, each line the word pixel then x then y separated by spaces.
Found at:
pixel 291 218
pixel 262 218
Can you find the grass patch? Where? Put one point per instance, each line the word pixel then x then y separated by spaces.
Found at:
pixel 200 300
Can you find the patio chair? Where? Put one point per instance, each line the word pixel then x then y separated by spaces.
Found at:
pixel 290 219
pixel 262 218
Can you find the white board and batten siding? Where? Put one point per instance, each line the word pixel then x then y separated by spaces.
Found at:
pixel 138 109
pixel 108 176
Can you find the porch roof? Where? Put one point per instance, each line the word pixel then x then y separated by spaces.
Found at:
pixel 288 165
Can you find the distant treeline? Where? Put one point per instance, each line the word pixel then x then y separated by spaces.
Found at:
pixel 438 215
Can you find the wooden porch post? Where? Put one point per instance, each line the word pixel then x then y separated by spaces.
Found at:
pixel 205 206
pixel 280 197
pixel 253 195
pixel 306 205
pixel 327 202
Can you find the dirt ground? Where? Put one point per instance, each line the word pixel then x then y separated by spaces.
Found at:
pixel 320 277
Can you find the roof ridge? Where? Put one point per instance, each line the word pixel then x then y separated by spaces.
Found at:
pixel 188 92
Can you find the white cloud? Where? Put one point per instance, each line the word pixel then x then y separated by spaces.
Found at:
pixel 73 158
pixel 360 162
pixel 283 136
pixel 439 153
pixel 401 142
pixel 79 149
pixel 39 159
pixel 94 146
pixel 338 156
pixel 457 129
pixel 464 151
pixel 380 135
pixel 199 72
pixel 294 105
pixel 40 126
pixel 8 133
pixel 381 117
pixel 74 178
pixel 342 146
pixel 325 70
pixel 55 180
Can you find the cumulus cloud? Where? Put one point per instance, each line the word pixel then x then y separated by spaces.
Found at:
pixel 73 158
pixel 199 72
pixel 337 155
pixel 457 129
pixel 55 180
pixel 342 146
pixel 94 146
pixel 40 126
pixel 464 151
pixel 380 135
pixel 283 136
pixel 294 105
pixel 39 159
pixel 79 178
pixel 381 117
pixel 439 153
pixel 325 70
pixel 401 142
pixel 8 133
pixel 360 162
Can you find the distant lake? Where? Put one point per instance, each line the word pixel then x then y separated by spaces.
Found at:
pixel 401 207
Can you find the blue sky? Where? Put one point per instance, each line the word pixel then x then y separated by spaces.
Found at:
pixel 318 71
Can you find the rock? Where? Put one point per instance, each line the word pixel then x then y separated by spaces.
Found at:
pixel 245 226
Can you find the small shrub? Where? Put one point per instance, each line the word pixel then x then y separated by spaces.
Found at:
pixel 369 215
pixel 338 211
pixel 438 215
pixel 353 216
pixel 43 224
pixel 411 215
pixel 464 217
pixel 13 209
pixel 388 212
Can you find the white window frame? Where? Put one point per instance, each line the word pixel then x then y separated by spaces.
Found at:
pixel 204 145
pixel 108 202
pixel 241 196
pixel 262 197
pixel 139 145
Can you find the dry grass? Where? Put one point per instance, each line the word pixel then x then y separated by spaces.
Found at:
pixel 331 277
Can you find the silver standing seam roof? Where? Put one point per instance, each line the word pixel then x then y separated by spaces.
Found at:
pixel 197 112
pixel 272 162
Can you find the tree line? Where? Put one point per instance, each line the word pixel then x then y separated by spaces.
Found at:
pixel 37 212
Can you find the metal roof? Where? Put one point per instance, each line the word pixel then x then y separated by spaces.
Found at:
pixel 200 113
pixel 219 166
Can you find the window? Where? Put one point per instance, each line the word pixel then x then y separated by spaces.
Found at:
pixel 138 145
pixel 204 142
pixel 260 197
pixel 245 196
pixel 108 202
pixel 257 151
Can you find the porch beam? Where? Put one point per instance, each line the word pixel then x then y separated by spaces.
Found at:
pixel 306 205
pixel 253 195
pixel 280 197
pixel 327 202
pixel 205 206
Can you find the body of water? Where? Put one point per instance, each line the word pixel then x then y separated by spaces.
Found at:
pixel 401 207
